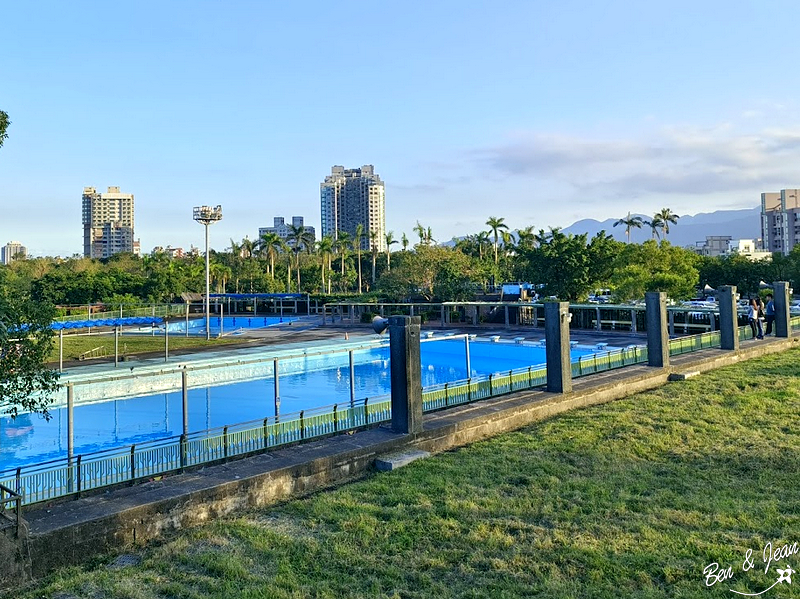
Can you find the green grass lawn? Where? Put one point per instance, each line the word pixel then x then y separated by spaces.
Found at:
pixel 629 499
pixel 131 345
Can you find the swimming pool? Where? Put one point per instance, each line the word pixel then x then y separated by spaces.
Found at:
pixel 305 382
pixel 227 324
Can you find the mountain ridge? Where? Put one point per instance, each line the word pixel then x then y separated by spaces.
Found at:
pixel 690 229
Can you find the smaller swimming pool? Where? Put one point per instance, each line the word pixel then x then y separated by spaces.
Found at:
pixel 229 324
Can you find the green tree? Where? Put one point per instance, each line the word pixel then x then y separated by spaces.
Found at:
pixel 432 272
pixel 655 267
pixel 4 123
pixel 568 266
pixel 26 384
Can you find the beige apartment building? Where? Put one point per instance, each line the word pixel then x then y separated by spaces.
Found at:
pixel 780 220
pixel 107 223
pixel 13 250
pixel 350 197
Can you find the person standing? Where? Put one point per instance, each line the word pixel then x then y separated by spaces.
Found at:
pixel 769 313
pixel 753 320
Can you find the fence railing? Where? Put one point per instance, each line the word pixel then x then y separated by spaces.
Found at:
pixel 127 312
pixel 682 345
pixel 10 517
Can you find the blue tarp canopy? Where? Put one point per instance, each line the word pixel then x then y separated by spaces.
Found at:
pixel 242 296
pixel 106 322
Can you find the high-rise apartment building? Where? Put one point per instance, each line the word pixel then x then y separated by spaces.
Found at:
pixel 282 230
pixel 11 251
pixel 350 197
pixel 107 223
pixel 780 220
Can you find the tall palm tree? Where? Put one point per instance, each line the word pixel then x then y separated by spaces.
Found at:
pixel 270 244
pixel 656 224
pixel 342 245
pixel 630 223
pixel 389 238
pixel 420 231
pixel 247 247
pixel 429 236
pixel 526 238
pixel 288 251
pixel 404 242
pixel 300 238
pixel 325 248
pixel 495 224
pixel 357 238
pixel 373 246
pixel 220 274
pixel 508 242
pixel 667 217
pixel 482 241
pixel 236 259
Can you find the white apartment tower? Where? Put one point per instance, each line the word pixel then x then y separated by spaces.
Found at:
pixel 780 220
pixel 12 250
pixel 283 230
pixel 107 223
pixel 350 197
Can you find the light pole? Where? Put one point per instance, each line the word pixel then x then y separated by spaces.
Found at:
pixel 207 216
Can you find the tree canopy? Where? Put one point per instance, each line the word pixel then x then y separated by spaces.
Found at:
pixel 4 123
pixel 26 384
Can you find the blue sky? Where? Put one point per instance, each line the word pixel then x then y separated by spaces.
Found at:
pixel 539 112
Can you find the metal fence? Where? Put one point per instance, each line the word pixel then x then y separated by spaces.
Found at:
pixel 683 345
pixel 10 517
pixel 162 310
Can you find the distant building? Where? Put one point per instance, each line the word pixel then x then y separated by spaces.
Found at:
pixel 780 220
pixel 350 197
pixel 282 230
pixel 714 245
pixel 12 250
pixel 749 248
pixel 108 223
pixel 169 250
pixel 724 245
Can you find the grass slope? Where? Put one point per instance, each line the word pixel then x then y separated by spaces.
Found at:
pixel 630 499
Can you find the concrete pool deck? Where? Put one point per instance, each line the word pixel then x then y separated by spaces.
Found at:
pixel 71 531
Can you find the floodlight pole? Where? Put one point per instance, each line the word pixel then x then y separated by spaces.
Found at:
pixel 207 215
pixel 208 289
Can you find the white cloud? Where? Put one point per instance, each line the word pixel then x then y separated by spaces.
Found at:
pixel 675 160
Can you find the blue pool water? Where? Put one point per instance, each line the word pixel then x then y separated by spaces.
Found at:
pixel 304 383
pixel 228 324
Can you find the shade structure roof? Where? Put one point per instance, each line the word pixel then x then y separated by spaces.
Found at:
pixel 106 322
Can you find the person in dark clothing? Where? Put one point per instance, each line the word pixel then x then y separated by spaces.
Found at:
pixel 769 313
